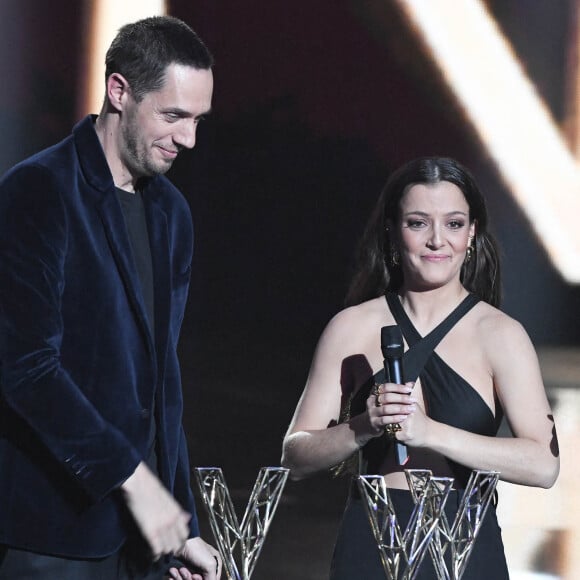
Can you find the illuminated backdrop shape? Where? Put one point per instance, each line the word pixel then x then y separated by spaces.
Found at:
pixel 510 118
pixel 103 19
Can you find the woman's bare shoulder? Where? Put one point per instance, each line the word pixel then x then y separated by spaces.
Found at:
pixel 354 324
pixel 496 329
pixel 360 315
pixel 491 318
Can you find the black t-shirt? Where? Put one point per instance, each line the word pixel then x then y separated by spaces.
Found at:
pixel 134 213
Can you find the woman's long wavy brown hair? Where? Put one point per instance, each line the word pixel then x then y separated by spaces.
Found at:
pixel 374 272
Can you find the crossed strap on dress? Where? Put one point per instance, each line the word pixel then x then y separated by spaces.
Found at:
pixel 421 347
pixel 414 361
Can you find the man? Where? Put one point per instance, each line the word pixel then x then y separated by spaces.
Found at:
pixel 95 258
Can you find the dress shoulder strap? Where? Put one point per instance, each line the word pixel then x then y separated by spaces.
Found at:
pixel 420 348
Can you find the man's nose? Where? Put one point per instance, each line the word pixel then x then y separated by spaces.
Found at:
pixel 185 137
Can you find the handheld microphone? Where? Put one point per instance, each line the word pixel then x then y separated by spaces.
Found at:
pixel 392 348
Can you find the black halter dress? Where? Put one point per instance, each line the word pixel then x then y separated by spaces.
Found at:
pixel 448 399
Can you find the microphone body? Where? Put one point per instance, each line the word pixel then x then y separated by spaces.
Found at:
pixel 392 348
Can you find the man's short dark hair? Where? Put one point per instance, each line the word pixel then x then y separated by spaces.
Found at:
pixel 143 50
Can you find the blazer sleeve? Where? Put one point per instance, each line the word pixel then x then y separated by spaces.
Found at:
pixel 33 246
pixel 182 488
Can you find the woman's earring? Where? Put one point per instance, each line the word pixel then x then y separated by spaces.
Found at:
pixel 395 257
pixel 469 251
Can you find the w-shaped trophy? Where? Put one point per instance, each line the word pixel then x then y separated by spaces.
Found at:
pixel 449 543
pixel 240 544
pixel 402 551
pixel 453 542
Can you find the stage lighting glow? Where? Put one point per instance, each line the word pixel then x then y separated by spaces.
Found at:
pixel 510 118
pixel 104 19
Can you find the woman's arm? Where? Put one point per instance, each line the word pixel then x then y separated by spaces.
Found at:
pixel 529 458
pixel 314 441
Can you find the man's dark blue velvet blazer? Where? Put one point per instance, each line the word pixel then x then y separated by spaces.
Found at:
pixel 78 365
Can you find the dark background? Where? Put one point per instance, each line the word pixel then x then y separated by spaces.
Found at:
pixel 314 105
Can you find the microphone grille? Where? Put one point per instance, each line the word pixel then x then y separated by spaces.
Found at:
pixel 392 341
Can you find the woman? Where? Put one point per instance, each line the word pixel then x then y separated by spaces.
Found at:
pixel 428 252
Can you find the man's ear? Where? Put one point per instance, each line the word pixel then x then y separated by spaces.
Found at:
pixel 117 91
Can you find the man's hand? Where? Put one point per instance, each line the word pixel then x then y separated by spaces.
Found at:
pixel 201 562
pixel 160 519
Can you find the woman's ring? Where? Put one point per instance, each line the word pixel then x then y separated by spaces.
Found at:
pixel 376 393
pixel 392 428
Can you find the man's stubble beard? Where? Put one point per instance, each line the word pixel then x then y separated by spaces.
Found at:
pixel 136 160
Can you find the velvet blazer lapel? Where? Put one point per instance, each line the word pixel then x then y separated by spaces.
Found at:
pixel 96 171
pixel 111 215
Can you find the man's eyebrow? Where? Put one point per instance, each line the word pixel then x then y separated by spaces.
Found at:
pixel 184 113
